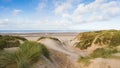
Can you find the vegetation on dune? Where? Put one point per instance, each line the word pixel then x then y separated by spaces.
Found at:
pixel 56 39
pixel 41 38
pixel 20 38
pixel 98 53
pixel 109 38
pixel 28 53
pixel 105 37
pixel 0 35
pixel 84 60
pixel 10 41
pixel 86 39
pixel 115 41
pixel 103 52
pixel 34 46
pixel 2 44
pixel 7 37
pixel 45 52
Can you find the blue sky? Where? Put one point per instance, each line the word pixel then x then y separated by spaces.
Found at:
pixel 59 14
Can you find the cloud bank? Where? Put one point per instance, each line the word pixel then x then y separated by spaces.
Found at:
pixel 62 14
pixel 99 10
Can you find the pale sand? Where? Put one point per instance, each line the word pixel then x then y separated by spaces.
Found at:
pixel 34 36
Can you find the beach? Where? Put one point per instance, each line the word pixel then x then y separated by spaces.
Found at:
pixel 35 36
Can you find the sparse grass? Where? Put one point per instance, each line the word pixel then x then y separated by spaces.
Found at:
pixel 103 53
pixel 7 37
pixel 10 41
pixel 2 44
pixel 110 38
pixel 99 53
pixel 84 60
pixel 105 37
pixel 41 38
pixel 114 56
pixel 0 35
pixel 86 40
pixel 115 41
pixel 20 38
pixel 45 51
pixel 56 39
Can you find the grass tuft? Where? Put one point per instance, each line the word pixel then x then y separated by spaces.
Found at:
pixel 28 53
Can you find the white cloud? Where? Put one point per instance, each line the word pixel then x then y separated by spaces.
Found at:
pixel 16 11
pixel 62 7
pixel 40 6
pixel 33 24
pixel 98 10
pixel 70 15
pixel 101 25
pixel 4 21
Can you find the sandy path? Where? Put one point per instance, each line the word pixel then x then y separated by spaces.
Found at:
pixel 65 48
pixel 55 45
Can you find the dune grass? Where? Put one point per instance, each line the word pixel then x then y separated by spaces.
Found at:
pixel 86 39
pixel 103 52
pixel 99 53
pixel 8 37
pixel 10 41
pixel 109 38
pixel 84 60
pixel 28 53
pixel 41 38
pixel 53 38
pixel 105 37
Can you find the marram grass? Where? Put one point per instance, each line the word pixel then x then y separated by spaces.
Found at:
pixel 28 53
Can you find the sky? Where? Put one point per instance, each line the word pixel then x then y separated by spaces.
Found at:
pixel 59 14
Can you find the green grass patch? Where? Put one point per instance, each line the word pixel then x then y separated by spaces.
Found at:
pixel 103 52
pixel 84 60
pixel 28 53
pixel 99 53
pixel 10 41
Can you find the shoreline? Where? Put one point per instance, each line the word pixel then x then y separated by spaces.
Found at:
pixel 42 34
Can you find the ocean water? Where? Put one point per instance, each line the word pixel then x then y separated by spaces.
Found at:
pixel 40 31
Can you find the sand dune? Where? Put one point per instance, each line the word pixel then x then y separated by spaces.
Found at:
pixel 64 55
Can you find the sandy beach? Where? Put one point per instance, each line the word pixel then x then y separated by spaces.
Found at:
pixel 35 36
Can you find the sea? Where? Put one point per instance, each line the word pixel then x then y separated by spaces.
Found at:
pixel 41 31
